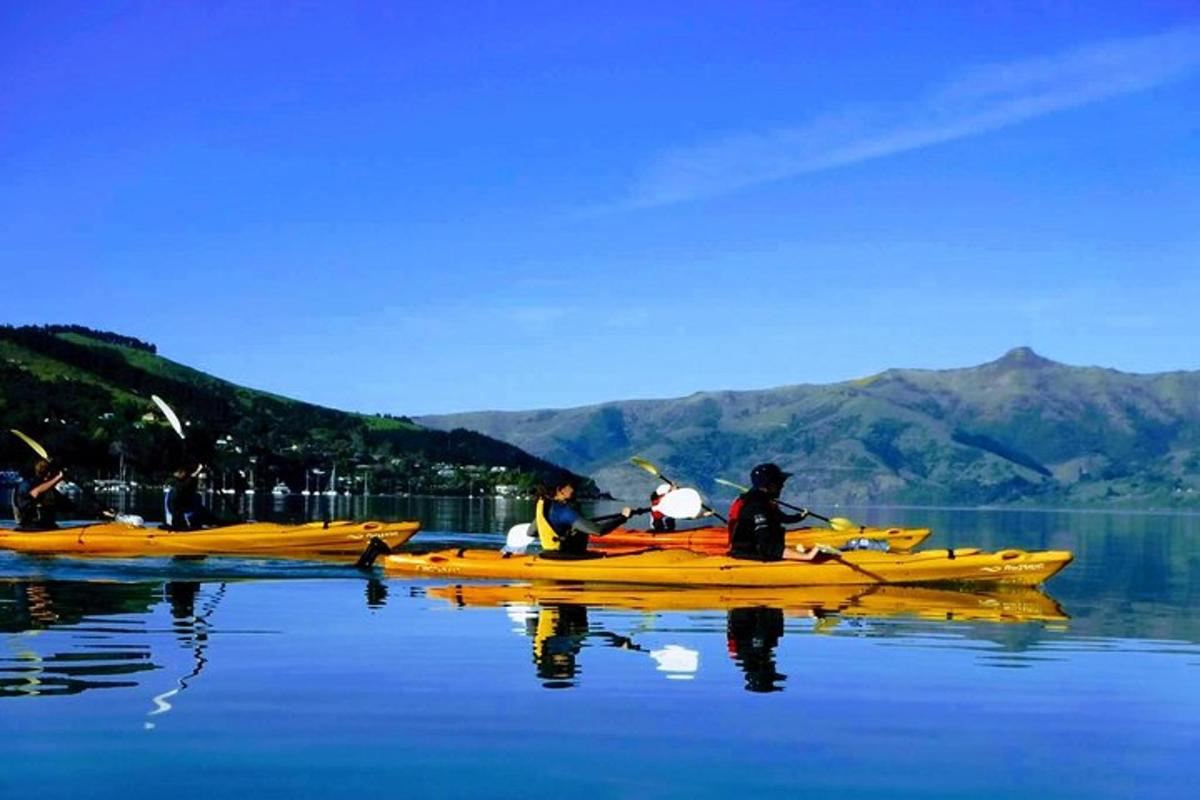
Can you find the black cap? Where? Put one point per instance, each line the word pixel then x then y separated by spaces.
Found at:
pixel 768 474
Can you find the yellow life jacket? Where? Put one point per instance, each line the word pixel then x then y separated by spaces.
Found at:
pixel 546 534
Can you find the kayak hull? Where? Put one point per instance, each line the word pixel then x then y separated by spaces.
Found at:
pixel 991 604
pixel 678 567
pixel 716 540
pixel 339 538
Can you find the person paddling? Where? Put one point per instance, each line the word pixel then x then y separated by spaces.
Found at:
pixel 659 521
pixel 182 507
pixel 562 530
pixel 756 522
pixel 36 500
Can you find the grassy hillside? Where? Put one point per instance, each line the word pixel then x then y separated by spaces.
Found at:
pixel 1019 430
pixel 85 396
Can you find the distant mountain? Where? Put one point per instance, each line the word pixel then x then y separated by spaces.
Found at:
pixel 1019 430
pixel 84 394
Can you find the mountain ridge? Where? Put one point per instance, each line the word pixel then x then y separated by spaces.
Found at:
pixel 1021 429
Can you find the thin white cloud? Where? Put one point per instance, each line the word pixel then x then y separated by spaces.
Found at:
pixel 979 101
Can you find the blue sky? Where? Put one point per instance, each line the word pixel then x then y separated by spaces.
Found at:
pixel 441 207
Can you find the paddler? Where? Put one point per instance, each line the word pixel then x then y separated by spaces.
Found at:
pixel 36 500
pixel 756 522
pixel 659 521
pixel 562 530
pixel 182 507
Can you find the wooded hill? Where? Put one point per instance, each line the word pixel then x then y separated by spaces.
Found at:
pixel 1019 430
pixel 85 395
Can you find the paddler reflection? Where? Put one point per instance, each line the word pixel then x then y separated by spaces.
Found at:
pixel 752 635
pixel 559 632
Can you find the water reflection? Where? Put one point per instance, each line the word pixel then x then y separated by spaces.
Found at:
pixel 66 637
pixel 753 634
pixel 555 616
pixel 107 653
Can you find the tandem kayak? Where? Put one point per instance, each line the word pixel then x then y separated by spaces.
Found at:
pixel 990 604
pixel 678 567
pixel 716 540
pixel 340 538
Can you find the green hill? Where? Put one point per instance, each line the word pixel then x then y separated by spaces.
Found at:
pixel 85 396
pixel 1018 430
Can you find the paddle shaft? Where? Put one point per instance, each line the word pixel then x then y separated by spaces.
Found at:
pixel 656 472
pixel 42 452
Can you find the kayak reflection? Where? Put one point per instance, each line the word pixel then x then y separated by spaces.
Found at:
pixel 999 604
pixel 559 632
pixel 65 637
pixel 555 617
pixel 108 660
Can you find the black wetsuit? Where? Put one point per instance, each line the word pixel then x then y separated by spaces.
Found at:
pixel 758 532
pixel 37 513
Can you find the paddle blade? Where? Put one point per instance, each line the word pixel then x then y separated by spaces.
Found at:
pixel 677 661
pixel 681 504
pixel 642 463
pixel 519 538
pixel 33 445
pixel 731 484
pixel 169 414
pixel 842 524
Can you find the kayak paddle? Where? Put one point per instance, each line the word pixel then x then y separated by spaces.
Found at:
pixel 837 523
pixel 167 411
pixel 642 463
pixel 132 520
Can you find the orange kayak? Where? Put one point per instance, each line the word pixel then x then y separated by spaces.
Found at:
pixel 262 539
pixel 716 540
pixel 993 604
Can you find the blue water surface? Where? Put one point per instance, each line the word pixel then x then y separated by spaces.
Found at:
pixel 138 678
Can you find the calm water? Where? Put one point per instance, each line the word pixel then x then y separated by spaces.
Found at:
pixel 187 679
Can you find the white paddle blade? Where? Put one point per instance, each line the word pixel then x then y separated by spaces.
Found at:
pixel 681 504
pixel 731 484
pixel 678 662
pixel 169 414
pixel 519 538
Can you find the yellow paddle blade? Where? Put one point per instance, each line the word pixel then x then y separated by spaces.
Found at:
pixel 33 445
pixel 646 465
pixel 843 524
pixel 731 484
pixel 169 414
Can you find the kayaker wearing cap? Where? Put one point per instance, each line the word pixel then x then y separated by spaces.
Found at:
pixel 756 522
pixel 658 520
pixel 562 530
pixel 35 502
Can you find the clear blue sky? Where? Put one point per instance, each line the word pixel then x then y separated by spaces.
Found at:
pixel 436 207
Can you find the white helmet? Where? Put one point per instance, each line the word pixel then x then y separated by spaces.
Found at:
pixel 662 489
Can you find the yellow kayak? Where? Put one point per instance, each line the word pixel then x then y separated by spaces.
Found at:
pixel 677 567
pixel 340 538
pixel 993 604
pixel 716 540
